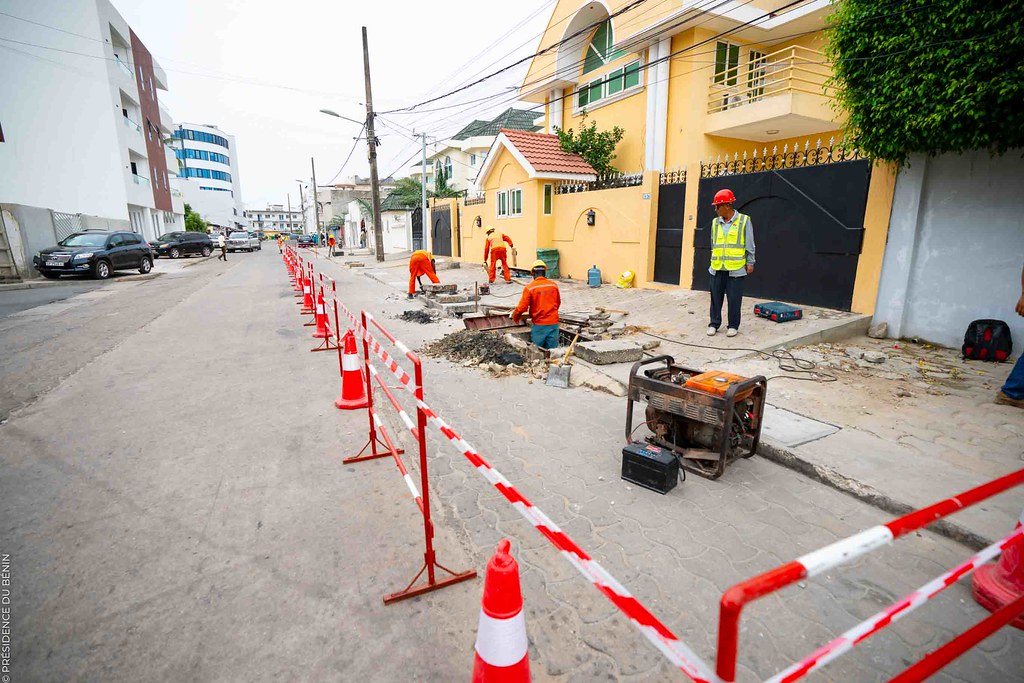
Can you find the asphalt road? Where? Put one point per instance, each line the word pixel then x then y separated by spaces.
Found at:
pixel 17 300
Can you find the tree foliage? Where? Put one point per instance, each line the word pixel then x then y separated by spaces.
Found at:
pixel 193 221
pixel 441 188
pixel 929 76
pixel 409 191
pixel 596 147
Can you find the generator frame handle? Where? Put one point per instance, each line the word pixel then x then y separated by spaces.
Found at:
pixel 669 360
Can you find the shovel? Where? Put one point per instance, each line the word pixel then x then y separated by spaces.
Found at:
pixel 558 373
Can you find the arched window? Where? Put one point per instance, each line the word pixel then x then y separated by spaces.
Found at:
pixel 599 52
pixel 447 167
pixel 437 168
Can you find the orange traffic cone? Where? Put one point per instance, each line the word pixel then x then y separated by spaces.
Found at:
pixel 501 643
pixel 997 585
pixel 307 295
pixel 353 393
pixel 321 317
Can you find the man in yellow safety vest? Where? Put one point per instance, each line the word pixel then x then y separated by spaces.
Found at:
pixel 732 258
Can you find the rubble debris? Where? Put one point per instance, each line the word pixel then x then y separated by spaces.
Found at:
pixel 874 356
pixel 418 316
pixel 483 347
pixel 879 331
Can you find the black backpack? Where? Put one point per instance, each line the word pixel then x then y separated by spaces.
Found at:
pixel 987 340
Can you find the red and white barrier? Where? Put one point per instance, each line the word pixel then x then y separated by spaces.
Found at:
pixel 654 630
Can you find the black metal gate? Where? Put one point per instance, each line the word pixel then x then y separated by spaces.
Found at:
pixel 808 222
pixel 441 230
pixel 668 240
pixel 417 229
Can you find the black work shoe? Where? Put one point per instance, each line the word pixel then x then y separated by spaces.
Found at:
pixel 411 296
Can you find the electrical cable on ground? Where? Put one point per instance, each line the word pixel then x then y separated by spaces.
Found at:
pixel 786 360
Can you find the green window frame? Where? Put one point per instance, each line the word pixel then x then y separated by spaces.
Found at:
pixel 599 50
pixel 548 193
pixel 727 62
pixel 612 83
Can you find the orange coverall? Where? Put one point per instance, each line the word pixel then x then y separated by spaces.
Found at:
pixel 420 264
pixel 495 246
pixel 542 299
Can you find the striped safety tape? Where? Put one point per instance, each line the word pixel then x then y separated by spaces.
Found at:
pixel 677 652
pixel 893 613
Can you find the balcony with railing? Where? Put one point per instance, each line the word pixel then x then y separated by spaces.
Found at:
pixel 775 96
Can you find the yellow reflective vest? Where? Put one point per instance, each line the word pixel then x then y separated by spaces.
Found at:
pixel 729 243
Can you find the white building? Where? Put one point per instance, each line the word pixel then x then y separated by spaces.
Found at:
pixel 462 155
pixel 396 225
pixel 83 128
pixel 275 217
pixel 208 166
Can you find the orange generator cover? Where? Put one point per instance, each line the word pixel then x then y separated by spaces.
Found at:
pixel 716 382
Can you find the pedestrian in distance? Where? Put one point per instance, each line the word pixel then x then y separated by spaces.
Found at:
pixel 732 259
pixel 1012 393
pixel 542 299
pixel 280 244
pixel 494 245
pixel 223 244
pixel 421 263
pixel 330 245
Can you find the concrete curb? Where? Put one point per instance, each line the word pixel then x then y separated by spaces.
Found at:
pixel 781 455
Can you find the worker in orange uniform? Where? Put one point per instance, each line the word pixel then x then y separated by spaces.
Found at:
pixel 542 299
pixel 421 263
pixel 495 246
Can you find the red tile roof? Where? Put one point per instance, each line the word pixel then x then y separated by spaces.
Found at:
pixel 545 155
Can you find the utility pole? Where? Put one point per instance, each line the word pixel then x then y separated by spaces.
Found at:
pixel 302 200
pixel 371 141
pixel 423 196
pixel 288 223
pixel 316 204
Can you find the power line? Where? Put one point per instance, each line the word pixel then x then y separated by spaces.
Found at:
pixel 350 152
pixel 628 7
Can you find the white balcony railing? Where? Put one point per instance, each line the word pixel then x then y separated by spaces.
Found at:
pixel 124 67
pixel 139 180
pixel 790 70
pixel 131 124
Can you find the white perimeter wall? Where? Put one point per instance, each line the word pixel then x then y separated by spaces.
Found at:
pixel 57 111
pixel 955 247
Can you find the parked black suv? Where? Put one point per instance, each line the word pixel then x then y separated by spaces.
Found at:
pixel 175 244
pixel 95 252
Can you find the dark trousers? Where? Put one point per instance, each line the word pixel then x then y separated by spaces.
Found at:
pixel 223 254
pixel 722 287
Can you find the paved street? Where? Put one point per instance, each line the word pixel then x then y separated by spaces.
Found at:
pixel 171 514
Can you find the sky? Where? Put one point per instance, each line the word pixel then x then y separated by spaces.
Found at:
pixel 262 69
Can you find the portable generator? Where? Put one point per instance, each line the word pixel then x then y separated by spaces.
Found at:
pixel 706 419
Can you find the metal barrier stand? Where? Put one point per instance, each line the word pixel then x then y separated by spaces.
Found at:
pixel 811 564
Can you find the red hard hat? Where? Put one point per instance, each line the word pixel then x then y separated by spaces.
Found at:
pixel 724 197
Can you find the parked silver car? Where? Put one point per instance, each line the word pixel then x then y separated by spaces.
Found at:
pixel 243 241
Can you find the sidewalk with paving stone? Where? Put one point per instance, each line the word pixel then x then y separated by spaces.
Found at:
pixel 678 552
pixel 899 434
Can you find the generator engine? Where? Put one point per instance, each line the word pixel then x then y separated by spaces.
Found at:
pixel 707 419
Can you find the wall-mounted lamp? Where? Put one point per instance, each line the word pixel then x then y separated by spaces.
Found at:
pixel 477 222
pixel 591 216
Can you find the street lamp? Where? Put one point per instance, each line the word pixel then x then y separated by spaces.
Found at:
pixel 339 116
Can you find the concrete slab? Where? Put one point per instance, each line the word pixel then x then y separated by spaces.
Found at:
pixel 440 288
pixel 452 309
pixel 792 429
pixel 452 298
pixel 610 351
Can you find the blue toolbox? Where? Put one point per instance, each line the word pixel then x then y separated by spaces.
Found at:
pixel 778 311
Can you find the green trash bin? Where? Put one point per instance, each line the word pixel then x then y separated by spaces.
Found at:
pixel 550 258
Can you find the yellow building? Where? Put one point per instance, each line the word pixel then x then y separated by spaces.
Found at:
pixel 710 95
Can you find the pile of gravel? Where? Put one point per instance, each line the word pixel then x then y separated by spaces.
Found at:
pixel 471 345
pixel 418 316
